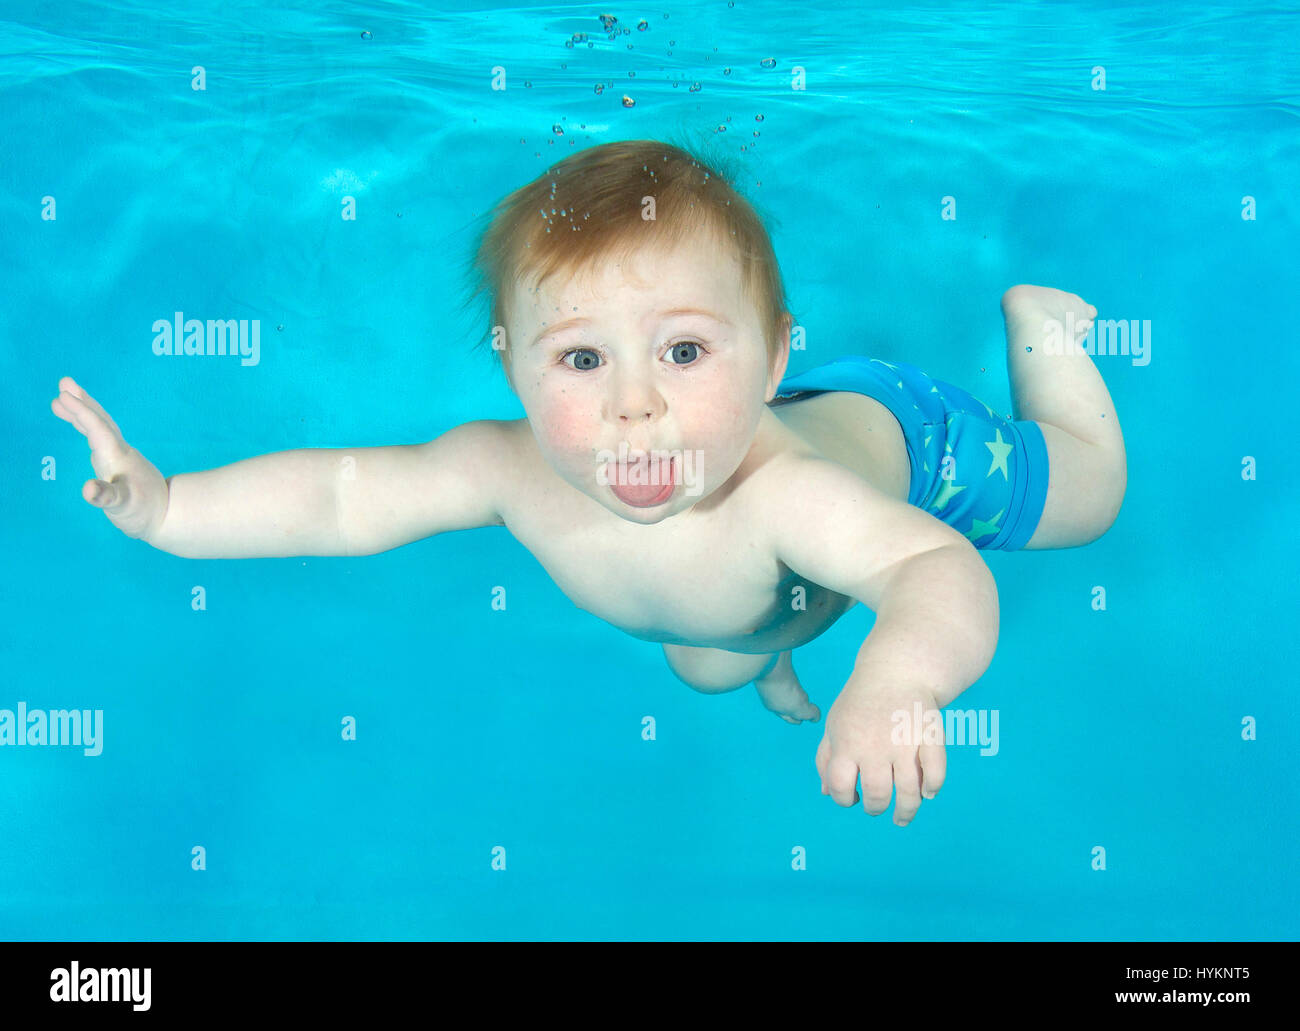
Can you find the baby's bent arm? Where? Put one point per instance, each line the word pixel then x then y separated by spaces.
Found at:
pixel 936 628
pixel 935 600
pixel 356 501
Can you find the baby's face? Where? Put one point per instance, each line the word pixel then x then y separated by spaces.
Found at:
pixel 644 385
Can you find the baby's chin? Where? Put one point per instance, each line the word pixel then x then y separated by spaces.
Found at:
pixel 650 516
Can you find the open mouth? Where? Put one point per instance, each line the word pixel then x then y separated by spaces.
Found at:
pixel 642 484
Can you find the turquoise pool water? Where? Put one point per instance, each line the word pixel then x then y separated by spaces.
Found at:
pixel 480 729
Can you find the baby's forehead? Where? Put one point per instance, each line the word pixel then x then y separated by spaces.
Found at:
pixel 691 274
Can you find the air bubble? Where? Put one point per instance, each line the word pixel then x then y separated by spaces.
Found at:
pixel 628 101
pixel 642 25
pixel 608 21
pixel 695 87
pixel 365 35
pixel 758 118
pixel 768 62
pixel 1028 348
pixel 558 130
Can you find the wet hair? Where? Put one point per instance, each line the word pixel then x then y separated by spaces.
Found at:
pixel 585 213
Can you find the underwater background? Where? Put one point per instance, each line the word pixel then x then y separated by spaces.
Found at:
pixel 1140 788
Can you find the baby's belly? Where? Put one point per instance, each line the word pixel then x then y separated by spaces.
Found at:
pixel 797 620
pixel 798 612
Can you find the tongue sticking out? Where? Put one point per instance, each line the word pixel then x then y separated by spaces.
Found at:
pixel 642 484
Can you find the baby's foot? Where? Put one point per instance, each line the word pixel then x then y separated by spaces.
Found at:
pixel 1033 313
pixel 780 691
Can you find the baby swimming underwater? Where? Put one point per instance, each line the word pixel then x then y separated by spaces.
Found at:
pixel 673 481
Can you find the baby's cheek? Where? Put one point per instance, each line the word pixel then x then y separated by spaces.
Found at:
pixel 725 424
pixel 566 433
pixel 726 432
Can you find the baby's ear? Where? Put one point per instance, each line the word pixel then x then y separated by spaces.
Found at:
pixel 780 356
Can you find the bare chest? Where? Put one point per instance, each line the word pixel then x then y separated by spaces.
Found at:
pixel 690 584
pixel 654 584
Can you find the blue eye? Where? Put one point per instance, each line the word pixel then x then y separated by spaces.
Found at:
pixel 685 352
pixel 584 359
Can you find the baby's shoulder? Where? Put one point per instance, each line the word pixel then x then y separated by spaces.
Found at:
pixel 502 451
pixel 509 458
pixel 796 489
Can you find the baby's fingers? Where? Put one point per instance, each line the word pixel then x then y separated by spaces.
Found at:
pixel 71 408
pixel 907 790
pixel 839 774
pixel 106 444
pixel 71 386
pixel 103 494
pixel 878 786
pixel 934 767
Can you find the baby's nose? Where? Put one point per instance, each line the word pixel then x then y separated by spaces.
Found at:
pixel 634 401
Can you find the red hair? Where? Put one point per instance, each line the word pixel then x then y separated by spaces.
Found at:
pixel 586 212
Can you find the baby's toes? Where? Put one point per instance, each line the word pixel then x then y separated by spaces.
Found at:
pixel 796 710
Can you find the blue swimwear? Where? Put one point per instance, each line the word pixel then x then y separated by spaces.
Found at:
pixel 983 475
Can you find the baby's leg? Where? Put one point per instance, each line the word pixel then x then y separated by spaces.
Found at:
pixel 714 671
pixel 1065 395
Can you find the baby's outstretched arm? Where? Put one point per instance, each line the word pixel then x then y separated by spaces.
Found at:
pixel 306 502
pixel 936 629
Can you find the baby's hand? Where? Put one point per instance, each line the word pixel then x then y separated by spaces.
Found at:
pixel 864 736
pixel 131 492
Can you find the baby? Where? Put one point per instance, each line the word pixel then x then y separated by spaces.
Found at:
pixel 673 483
